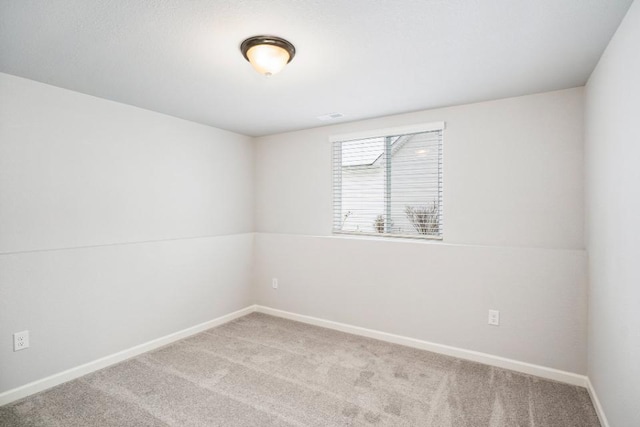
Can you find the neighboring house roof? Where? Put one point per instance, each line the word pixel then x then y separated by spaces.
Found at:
pixel 374 158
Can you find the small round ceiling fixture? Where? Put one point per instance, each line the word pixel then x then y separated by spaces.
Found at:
pixel 267 54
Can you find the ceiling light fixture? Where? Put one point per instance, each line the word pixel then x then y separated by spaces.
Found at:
pixel 267 54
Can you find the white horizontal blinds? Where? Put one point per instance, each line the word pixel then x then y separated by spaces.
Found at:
pixel 389 185
pixel 362 183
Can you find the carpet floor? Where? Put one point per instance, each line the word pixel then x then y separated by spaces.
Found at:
pixel 261 370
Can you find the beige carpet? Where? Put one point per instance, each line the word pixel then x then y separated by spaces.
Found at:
pixel 265 371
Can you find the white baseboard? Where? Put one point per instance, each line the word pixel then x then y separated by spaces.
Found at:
pixel 476 356
pixel 488 359
pixel 73 373
pixel 596 404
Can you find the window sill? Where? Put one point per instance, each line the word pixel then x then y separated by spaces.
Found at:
pixel 386 237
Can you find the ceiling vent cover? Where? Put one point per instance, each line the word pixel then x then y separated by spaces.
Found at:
pixel 331 116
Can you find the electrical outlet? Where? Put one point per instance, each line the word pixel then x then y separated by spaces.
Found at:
pixel 274 283
pixel 20 340
pixel 494 317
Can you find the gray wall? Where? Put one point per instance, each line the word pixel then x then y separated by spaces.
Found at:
pixel 117 226
pixel 613 223
pixel 121 225
pixel 435 292
pixel 513 234
pixel 513 172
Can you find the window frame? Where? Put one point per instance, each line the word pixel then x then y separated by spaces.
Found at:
pixel 385 133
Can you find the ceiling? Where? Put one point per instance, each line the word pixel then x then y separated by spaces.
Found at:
pixel 361 58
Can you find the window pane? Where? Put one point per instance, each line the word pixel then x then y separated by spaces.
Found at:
pixel 362 184
pixel 415 185
pixel 389 185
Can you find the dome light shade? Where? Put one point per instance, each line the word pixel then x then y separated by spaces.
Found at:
pixel 267 54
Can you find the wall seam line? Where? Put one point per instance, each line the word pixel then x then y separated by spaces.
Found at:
pixel 136 242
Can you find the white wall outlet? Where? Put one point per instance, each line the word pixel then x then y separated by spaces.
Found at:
pixel 20 340
pixel 274 283
pixel 494 317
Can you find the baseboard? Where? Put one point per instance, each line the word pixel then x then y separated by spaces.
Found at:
pixel 487 359
pixel 596 404
pixel 73 373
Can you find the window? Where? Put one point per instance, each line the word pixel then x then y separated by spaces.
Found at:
pixel 389 183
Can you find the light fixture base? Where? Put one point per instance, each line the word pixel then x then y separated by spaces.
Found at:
pixel 267 40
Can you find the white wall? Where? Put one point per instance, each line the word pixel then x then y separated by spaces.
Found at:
pixel 513 172
pixel 613 223
pixel 120 225
pixel 435 292
pixel 513 234
pixel 83 181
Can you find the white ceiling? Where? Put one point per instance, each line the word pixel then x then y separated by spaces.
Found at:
pixel 362 58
